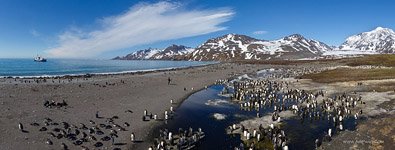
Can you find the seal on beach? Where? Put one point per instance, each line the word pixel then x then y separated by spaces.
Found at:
pixel 64 146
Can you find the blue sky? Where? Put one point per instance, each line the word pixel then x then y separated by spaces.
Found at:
pixel 106 28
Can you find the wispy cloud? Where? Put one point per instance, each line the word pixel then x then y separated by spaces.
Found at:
pixel 34 32
pixel 141 24
pixel 259 32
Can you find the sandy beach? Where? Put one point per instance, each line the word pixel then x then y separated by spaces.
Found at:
pixel 112 95
pixel 116 103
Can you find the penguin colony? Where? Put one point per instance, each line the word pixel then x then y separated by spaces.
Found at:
pixel 278 96
pixel 249 94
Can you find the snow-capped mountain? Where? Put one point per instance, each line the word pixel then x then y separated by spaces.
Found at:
pixel 173 52
pixel 381 40
pixel 238 47
pixel 141 54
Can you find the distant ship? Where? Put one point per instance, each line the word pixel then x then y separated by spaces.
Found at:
pixel 40 59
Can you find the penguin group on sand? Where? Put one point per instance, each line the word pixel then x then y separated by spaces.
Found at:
pixel 181 139
pixel 95 134
pixel 167 114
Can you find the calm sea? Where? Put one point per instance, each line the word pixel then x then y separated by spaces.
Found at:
pixel 58 67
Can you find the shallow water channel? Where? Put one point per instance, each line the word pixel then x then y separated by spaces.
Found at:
pixel 198 109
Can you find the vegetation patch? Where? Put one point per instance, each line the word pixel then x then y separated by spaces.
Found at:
pixel 347 74
pixel 387 60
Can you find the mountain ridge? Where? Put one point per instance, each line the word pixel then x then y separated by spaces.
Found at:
pixel 233 46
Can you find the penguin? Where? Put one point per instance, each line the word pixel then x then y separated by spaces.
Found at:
pixel 317 143
pixel 97 114
pixel 258 138
pixel 132 137
pixel 271 126
pixel 171 109
pixel 341 127
pixel 248 136
pixel 20 126
pixel 170 136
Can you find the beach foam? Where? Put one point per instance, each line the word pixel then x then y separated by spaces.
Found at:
pixel 216 102
pixel 219 116
pixel 266 120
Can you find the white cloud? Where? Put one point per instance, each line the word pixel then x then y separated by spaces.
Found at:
pixel 259 32
pixel 34 32
pixel 141 24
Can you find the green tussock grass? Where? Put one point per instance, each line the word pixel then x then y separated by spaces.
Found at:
pixel 345 74
pixel 387 60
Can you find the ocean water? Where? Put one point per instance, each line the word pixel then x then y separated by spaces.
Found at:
pixel 59 67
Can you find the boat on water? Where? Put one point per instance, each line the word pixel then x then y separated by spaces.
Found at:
pixel 40 59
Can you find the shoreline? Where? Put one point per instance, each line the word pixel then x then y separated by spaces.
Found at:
pixel 105 73
pixel 159 124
